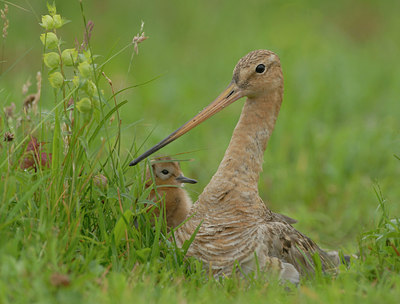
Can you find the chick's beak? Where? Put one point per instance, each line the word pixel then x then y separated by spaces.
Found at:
pixel 184 179
pixel 228 96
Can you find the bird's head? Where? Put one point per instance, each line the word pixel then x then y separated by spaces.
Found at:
pixel 168 172
pixel 255 76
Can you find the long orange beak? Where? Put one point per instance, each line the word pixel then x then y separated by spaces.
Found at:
pixel 228 96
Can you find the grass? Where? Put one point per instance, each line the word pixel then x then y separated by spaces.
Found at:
pixel 68 199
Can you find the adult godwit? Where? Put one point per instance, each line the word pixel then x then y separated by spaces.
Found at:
pixel 169 180
pixel 236 227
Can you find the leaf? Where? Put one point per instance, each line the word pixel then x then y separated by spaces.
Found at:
pixel 187 243
pixel 143 254
pixel 28 195
pixel 103 121
pixel 121 226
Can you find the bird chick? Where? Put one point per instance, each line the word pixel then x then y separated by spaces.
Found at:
pixel 169 180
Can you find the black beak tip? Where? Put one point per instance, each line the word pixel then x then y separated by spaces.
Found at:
pixel 186 180
pixel 133 163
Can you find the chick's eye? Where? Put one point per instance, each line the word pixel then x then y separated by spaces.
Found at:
pixel 260 68
pixel 165 171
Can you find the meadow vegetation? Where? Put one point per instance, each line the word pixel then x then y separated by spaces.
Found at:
pixel 81 97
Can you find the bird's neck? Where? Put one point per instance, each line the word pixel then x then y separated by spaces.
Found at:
pixel 242 162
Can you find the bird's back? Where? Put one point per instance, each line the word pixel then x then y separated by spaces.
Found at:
pixel 237 233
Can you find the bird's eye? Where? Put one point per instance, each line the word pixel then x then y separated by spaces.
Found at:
pixel 165 171
pixel 260 68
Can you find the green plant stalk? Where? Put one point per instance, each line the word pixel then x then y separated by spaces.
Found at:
pixel 55 164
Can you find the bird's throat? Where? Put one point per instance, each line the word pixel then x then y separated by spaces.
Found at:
pixel 242 162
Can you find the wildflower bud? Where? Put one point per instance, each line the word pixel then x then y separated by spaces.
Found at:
pixel 51 60
pixel 69 56
pixel 96 102
pixel 47 22
pixel 56 80
pixel 84 105
pixel 58 22
pixel 52 9
pixel 100 181
pixel 90 88
pixel 76 81
pixel 85 69
pixel 50 40
pixel 87 55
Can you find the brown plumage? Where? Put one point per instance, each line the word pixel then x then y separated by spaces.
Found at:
pixel 277 217
pixel 235 224
pixel 169 180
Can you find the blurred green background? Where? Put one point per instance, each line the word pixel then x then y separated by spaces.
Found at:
pixel 338 129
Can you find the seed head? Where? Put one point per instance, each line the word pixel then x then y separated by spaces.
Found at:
pixel 50 40
pixel 29 101
pixel 139 38
pixel 47 22
pixel 4 13
pixel 84 105
pixel 69 56
pixel 51 60
pixel 8 136
pixel 9 111
pixel 56 80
